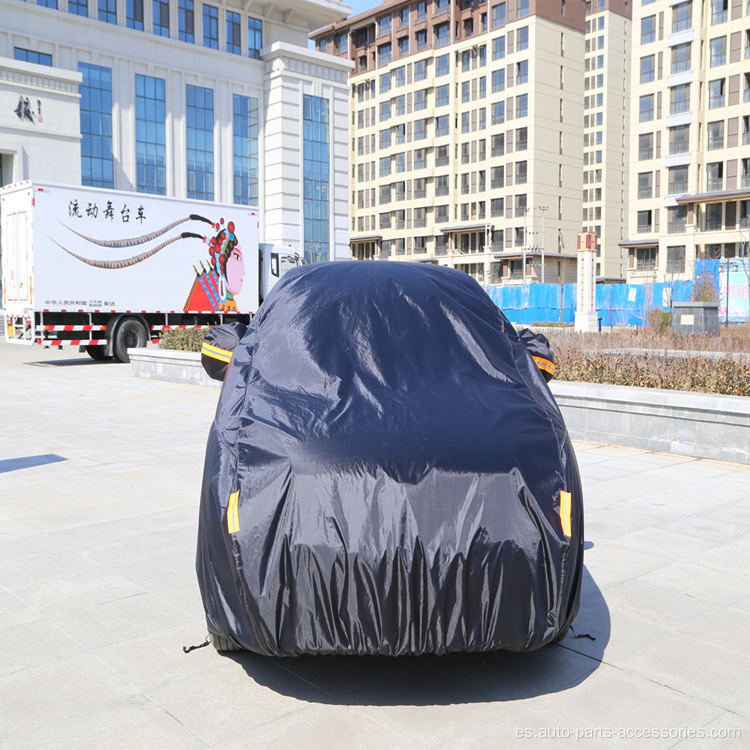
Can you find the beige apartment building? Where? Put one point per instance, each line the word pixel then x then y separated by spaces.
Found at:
pixel 606 136
pixel 690 136
pixel 467 135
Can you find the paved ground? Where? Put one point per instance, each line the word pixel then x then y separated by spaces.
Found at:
pixel 99 477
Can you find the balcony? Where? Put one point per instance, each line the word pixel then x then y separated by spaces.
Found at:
pixel 716 183
pixel 676 227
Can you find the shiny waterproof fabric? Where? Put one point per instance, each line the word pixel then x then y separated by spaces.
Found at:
pixel 385 474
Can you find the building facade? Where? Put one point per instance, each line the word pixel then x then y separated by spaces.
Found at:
pixel 467 134
pixel 690 136
pixel 219 102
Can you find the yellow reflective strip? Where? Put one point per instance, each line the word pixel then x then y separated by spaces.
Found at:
pixel 565 507
pixel 544 364
pixel 214 352
pixel 233 518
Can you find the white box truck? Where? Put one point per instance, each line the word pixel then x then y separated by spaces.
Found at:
pixel 106 270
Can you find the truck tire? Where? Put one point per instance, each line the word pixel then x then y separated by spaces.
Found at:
pixel 98 352
pixel 130 334
pixel 220 643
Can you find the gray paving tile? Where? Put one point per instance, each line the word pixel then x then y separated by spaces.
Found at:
pixel 701 581
pixel 34 642
pixel 726 627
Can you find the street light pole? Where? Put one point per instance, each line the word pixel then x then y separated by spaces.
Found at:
pixel 543 209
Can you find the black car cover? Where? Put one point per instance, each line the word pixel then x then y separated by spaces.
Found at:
pixel 387 473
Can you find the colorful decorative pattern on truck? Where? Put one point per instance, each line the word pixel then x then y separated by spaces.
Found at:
pixel 109 250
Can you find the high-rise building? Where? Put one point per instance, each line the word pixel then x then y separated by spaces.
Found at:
pixel 690 136
pixel 467 140
pixel 606 123
pixel 213 101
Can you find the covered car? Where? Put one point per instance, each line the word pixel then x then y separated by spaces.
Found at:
pixel 387 473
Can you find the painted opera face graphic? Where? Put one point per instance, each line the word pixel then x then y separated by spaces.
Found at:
pixel 214 287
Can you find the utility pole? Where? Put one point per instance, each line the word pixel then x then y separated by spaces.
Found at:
pixel 543 209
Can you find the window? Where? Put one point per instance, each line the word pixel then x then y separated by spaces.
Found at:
pixel 498 113
pixel 716 93
pixel 745 173
pixel 483 56
pixel 400 76
pixel 678 180
pixel 522 72
pixel 186 21
pixel 715 135
pixel 384 54
pixel 400 131
pixel 441 185
pixel 468 28
pixel 442 158
pixel 441 125
pixel 680 58
pixel 150 135
pixel 497 178
pixel 342 43
pixel 522 38
pixel 646 108
pixel 245 149
pixel 420 130
pixel 521 172
pixel 523 9
pixel 498 48
pixel 682 17
pixel 200 143
pixel 27 55
pixel 442 34
pixel 497 207
pixel 316 170
pixel 713 218
pixel 466 61
pixel 400 104
pixel 385 166
pixel 498 81
pixel 108 11
pixel 400 160
pixel 466 91
pixel 254 38
pixel 645 146
pixel 644 222
pixel 420 70
pixel 97 166
pixel 498 16
pixel 134 14
pixel 78 7
pixel 421 37
pixel 522 139
pixel 648 68
pixel 421 11
pixel 648 29
pixel 482 118
pixel 442 96
pixel 47 3
pixel 645 189
pixel 676 253
pixel 385 83
pixel 420 100
pixel 465 177
pixel 385 111
pixel 403 16
pixel 715 176
pixel 522 105
pixel 441 214
pixel 719 11
pixel 210 27
pixel 385 138
pixel 161 17
pixel 465 122
pixel 679 139
pixel 384 24
pixel 645 257
pixel 679 99
pixel 442 66
pixel 403 46
pixel 233 33
pixel 718 51
pixel 441 5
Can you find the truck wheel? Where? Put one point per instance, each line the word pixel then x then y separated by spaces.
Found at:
pixel 97 352
pixel 220 643
pixel 130 334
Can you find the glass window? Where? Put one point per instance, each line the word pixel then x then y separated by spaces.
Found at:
pixel 648 68
pixel 645 146
pixel 442 66
pixel 498 16
pixel 646 108
pixel 421 10
pixel 245 149
pixel 676 254
pixel 421 37
pixel 719 10
pixel 27 55
pixel 715 135
pixel 233 33
pixel 682 17
pixel 317 179
pixel 442 34
pixel 715 176
pixel 161 17
pixel 400 76
pixel 716 93
pixel 150 135
pixel 681 58
pixel 718 51
pixel 78 7
pixel 210 27
pixel 47 3
pixel 134 14
pixel 523 9
pixel 498 113
pixel 441 125
pixel 385 83
pixel 679 99
pixel 644 185
pixel 107 11
pixel 644 222
pixel 498 81
pixel 420 100
pixel 403 46
pixel 522 71
pixel 254 37
pixel 679 139
pixel 420 70
pixel 522 105
pixel 384 54
pixel 384 24
pixel 97 166
pixel 523 38
pixel 200 143
pixel 186 21
pixel 648 29
pixel 678 180
pixel 404 16
pixel 498 48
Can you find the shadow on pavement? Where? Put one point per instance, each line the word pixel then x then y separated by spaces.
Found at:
pixel 79 362
pixel 28 462
pixel 442 680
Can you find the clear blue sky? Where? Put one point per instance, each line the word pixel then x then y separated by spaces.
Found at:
pixel 359 6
